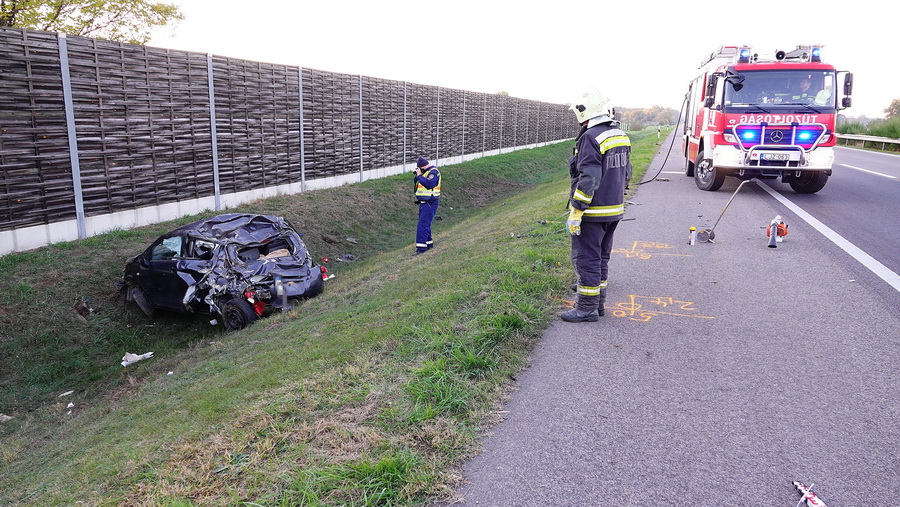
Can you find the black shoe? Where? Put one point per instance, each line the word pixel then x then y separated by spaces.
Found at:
pixel 417 252
pixel 601 311
pixel 576 315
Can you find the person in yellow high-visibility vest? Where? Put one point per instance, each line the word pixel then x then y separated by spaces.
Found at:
pixel 428 196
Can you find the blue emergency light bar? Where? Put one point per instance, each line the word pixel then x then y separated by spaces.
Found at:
pixel 816 55
pixel 744 55
pixel 805 136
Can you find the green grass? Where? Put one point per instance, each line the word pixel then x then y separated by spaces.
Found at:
pixel 367 395
pixel 889 128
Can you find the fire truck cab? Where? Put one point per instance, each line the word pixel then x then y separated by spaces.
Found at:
pixel 748 117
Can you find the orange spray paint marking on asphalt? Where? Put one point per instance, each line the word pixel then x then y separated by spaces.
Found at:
pixel 653 306
pixel 638 250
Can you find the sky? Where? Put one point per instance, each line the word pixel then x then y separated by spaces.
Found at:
pixel 640 53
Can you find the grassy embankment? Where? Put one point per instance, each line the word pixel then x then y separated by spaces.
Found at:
pixel 370 394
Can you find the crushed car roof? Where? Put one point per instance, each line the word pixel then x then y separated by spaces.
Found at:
pixel 237 227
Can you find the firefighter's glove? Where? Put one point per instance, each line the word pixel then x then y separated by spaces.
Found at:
pixel 573 224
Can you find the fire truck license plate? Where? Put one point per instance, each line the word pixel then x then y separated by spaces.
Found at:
pixel 775 156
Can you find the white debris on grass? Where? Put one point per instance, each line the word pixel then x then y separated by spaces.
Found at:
pixel 130 358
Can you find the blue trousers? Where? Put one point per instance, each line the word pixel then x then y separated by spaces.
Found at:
pixel 427 210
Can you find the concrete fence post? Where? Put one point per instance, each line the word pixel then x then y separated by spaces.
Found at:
pixel 484 126
pixel 361 129
pixel 462 151
pixel 212 130
pixel 437 135
pixel 404 127
pixel 302 132
pixel 70 132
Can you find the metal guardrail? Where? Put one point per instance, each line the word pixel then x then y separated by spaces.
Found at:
pixel 866 140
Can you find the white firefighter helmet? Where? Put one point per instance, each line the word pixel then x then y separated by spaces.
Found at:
pixel 592 104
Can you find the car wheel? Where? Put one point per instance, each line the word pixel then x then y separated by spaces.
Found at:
pixel 137 295
pixel 237 314
pixel 706 176
pixel 809 182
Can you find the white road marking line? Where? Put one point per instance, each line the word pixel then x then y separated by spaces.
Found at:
pixel 880 270
pixel 868 171
pixel 895 155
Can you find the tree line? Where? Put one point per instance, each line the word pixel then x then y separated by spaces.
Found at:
pixel 640 118
pixel 888 127
pixel 129 21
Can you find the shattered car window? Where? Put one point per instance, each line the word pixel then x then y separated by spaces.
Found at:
pixel 167 249
pixel 285 246
pixel 203 249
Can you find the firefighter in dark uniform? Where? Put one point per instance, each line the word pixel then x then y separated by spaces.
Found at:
pixel 600 169
pixel 804 94
pixel 428 196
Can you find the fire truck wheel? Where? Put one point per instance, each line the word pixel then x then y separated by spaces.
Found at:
pixel 809 182
pixel 706 176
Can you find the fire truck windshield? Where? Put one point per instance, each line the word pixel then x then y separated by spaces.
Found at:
pixel 781 89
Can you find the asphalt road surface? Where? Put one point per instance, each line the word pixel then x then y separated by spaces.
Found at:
pixel 722 371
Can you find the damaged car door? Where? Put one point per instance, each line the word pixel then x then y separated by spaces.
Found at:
pixel 158 277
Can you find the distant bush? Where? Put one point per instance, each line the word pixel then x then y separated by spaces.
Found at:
pixel 634 126
pixel 886 128
pixel 852 128
pixel 881 128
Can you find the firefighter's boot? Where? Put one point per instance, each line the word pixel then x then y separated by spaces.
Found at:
pixel 576 315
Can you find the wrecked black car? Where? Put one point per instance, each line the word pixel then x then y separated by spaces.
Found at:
pixel 234 266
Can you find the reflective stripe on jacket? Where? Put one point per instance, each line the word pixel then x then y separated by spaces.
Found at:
pixel 428 185
pixel 600 171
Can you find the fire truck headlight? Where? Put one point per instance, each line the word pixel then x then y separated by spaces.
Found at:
pixel 729 138
pixel 727 156
pixel 822 157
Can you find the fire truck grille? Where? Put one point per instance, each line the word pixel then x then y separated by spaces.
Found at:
pixel 805 136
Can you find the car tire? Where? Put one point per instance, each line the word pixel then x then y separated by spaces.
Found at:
pixel 137 295
pixel 706 176
pixel 237 314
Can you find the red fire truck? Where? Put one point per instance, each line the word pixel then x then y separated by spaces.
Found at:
pixel 749 117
